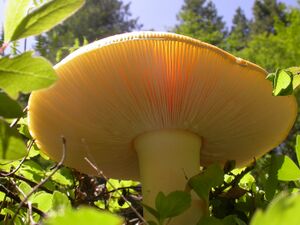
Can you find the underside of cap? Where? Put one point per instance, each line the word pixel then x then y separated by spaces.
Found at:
pixel 113 90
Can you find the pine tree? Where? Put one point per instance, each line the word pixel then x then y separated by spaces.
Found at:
pixel 265 13
pixel 278 50
pixel 200 19
pixel 239 34
pixel 97 19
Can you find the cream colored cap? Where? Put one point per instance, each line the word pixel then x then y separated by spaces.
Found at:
pixel 115 89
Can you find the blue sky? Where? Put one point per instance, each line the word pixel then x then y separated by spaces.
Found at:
pixel 161 14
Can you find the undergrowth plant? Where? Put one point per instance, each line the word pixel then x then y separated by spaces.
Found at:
pixel 35 190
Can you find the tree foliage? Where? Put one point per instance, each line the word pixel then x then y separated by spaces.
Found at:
pixel 280 45
pixel 265 12
pixel 97 19
pixel 239 34
pixel 199 19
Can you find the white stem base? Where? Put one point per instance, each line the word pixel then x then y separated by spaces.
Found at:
pixel 167 159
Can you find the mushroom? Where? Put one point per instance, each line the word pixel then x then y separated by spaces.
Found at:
pixel 151 106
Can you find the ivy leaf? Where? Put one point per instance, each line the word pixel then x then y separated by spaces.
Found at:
pixel 289 171
pixel 15 11
pixel 25 73
pixel 84 215
pixel 172 204
pixel 9 108
pixel 202 183
pixel 12 146
pixel 40 19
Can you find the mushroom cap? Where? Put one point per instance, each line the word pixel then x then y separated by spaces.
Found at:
pixel 111 91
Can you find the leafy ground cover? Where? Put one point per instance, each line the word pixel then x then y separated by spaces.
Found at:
pixel 35 190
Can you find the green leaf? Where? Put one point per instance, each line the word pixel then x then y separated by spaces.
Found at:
pixel 283 83
pixel 32 171
pixel 9 108
pixel 25 73
pixel 152 211
pixel 115 206
pixel 151 223
pixel 247 180
pixel 100 204
pixel 131 184
pixel 172 204
pixel 42 200
pixel 296 76
pixel 289 171
pixel 232 220
pixel 15 11
pixel 282 210
pixel 43 18
pixel 23 129
pixel 296 81
pixel 60 201
pixel 84 215
pixel 63 176
pixel 12 146
pixel 2 196
pixel 297 148
pixel 272 181
pixel 202 183
pixel 26 189
pixel 271 77
pixel 113 184
pixel 210 221
pixel 294 70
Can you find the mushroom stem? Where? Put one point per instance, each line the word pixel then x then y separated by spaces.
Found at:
pixel 167 159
